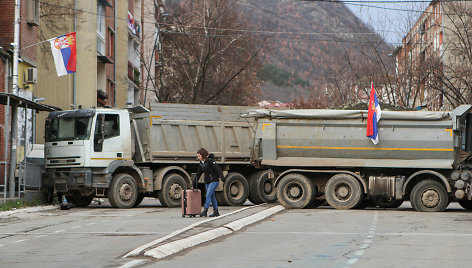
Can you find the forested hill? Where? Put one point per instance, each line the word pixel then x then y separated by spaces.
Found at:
pixel 310 43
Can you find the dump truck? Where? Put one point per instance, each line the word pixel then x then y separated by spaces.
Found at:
pixel 324 155
pixel 128 154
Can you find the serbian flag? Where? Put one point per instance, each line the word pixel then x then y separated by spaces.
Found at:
pixel 64 52
pixel 373 116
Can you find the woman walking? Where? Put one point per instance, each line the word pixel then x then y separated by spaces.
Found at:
pixel 212 173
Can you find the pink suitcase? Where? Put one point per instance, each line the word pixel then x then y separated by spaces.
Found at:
pixel 191 202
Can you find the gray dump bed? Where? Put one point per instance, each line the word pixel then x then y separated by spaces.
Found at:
pixel 174 132
pixel 337 138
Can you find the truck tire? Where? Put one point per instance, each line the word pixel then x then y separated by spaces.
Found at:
pixel 220 198
pixel 295 191
pixel 383 202
pixel 429 196
pixel 235 189
pixel 253 197
pixel 80 201
pixel 171 193
pixel 262 188
pixel 467 204
pixel 138 200
pixel 123 191
pixel 343 191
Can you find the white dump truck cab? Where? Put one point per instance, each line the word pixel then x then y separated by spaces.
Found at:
pixel 85 148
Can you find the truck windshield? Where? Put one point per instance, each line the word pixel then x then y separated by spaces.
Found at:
pixel 72 128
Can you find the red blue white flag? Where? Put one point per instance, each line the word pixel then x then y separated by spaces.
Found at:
pixel 64 52
pixel 373 116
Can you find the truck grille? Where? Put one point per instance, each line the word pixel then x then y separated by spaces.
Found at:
pixel 63 161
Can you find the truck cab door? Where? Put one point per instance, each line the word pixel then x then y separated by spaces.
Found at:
pixel 107 141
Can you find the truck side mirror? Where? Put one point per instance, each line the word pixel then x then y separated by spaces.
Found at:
pixel 100 135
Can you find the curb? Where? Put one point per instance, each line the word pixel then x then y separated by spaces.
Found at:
pixel 182 244
pixel 27 210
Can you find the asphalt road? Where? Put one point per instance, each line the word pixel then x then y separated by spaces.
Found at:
pixel 99 236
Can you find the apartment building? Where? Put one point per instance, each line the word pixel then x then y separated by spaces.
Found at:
pixel 109 37
pixel 430 57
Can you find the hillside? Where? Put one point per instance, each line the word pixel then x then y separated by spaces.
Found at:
pixel 309 44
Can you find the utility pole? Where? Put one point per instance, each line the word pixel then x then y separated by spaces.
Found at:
pixel 14 113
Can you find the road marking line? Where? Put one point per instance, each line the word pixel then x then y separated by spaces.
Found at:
pixel 39 236
pixel 352 261
pixel 22 240
pixel 131 263
pixel 75 227
pixel 92 223
pixel 59 231
pixel 138 250
pixel 359 253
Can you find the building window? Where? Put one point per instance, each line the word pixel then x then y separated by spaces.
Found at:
pixel 33 12
pixel 101 28
pixel 111 43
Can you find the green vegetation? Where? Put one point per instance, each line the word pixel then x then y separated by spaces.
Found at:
pixel 281 77
pixel 18 203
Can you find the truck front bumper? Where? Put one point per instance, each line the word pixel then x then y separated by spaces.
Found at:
pixel 68 180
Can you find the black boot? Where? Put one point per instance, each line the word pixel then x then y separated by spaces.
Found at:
pixel 215 213
pixel 204 213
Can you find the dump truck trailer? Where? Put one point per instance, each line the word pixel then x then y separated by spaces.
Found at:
pixel 318 155
pixel 127 154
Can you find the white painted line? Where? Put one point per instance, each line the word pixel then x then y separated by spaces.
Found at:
pixel 179 245
pixel 359 253
pixel 92 223
pixel 22 240
pixel 59 231
pixel 39 236
pixel 132 263
pixel 352 261
pixel 75 227
pixel 237 225
pixel 138 250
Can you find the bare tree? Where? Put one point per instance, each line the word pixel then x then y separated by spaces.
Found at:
pixel 204 60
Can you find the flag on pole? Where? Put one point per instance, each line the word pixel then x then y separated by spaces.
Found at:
pixel 373 116
pixel 64 52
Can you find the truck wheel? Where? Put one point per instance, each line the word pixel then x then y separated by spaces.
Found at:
pixel 80 201
pixel 235 189
pixel 467 204
pixel 263 188
pixel 343 191
pixel 383 202
pixel 253 197
pixel 295 191
pixel 220 198
pixel 139 199
pixel 123 191
pixel 171 193
pixel 430 196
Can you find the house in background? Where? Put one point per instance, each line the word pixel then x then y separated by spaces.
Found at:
pixel 431 59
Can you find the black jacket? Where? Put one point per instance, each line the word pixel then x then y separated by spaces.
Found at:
pixel 211 170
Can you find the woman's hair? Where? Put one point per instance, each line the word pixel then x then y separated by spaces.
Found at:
pixel 203 152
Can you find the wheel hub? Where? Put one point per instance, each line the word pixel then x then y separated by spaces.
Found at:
pixel 430 198
pixel 267 187
pixel 126 192
pixel 175 191
pixel 294 191
pixel 343 191
pixel 234 190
